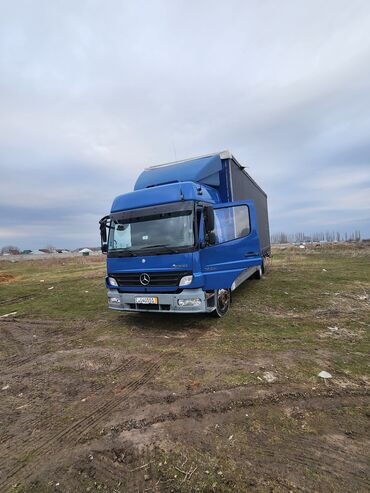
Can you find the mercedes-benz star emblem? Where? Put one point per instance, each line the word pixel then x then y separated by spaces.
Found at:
pixel 145 279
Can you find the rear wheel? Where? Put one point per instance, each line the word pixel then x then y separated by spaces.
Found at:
pixel 222 302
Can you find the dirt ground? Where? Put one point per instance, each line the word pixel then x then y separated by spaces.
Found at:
pixel 98 401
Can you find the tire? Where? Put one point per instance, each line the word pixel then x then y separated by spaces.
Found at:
pixel 222 301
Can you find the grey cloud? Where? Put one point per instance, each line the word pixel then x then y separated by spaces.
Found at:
pixel 92 93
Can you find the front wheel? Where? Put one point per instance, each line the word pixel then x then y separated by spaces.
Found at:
pixel 222 302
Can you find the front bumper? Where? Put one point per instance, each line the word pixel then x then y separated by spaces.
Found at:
pixel 167 302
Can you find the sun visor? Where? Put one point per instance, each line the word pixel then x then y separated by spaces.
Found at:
pixel 182 208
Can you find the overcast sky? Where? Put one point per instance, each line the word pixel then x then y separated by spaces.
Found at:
pixel 91 92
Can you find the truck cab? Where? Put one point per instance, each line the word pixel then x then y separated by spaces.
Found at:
pixel 179 243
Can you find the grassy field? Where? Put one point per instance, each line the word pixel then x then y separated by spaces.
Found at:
pixel 96 400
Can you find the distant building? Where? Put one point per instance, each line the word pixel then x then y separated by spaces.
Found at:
pixel 85 252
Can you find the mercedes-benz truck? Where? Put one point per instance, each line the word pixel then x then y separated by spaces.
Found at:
pixel 188 235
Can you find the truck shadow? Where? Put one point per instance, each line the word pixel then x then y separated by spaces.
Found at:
pixel 168 322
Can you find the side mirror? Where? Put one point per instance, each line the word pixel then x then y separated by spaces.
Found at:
pixel 209 218
pixel 103 233
pixel 209 223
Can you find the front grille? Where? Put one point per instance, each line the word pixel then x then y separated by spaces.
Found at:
pixel 156 278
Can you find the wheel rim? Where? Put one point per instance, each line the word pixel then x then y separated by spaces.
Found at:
pixel 223 299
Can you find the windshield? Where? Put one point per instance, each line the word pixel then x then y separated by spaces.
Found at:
pixel 166 231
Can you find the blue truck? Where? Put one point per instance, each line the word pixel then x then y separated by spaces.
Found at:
pixel 187 236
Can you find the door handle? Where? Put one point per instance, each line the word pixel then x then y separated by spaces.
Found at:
pixel 250 254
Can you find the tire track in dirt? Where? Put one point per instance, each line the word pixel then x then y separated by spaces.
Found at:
pixel 232 403
pixel 315 455
pixel 19 361
pixel 13 366
pixel 15 360
pixel 19 299
pixel 15 344
pixel 130 389
pixel 306 451
pixel 131 364
pixel 19 358
pixel 301 452
pixel 70 435
pixel 31 321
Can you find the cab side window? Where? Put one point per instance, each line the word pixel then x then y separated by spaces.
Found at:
pixel 231 223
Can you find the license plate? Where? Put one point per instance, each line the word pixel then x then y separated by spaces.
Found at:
pixel 146 300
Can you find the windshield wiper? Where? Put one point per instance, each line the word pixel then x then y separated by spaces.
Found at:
pixel 169 249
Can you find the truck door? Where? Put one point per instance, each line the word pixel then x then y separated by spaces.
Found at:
pixel 236 252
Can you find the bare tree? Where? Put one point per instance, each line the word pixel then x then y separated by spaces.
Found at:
pixel 329 236
pixel 50 248
pixel 13 250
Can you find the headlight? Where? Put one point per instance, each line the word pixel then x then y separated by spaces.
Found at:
pixel 112 281
pixel 190 302
pixel 186 280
